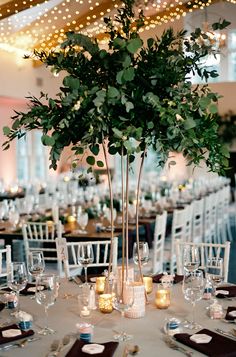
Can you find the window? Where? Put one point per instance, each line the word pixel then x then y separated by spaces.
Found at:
pixel 32 158
pixel 232 55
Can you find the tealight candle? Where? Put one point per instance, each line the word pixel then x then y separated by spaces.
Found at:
pixel 105 303
pixel 85 312
pixel 162 298
pixel 71 219
pixel 100 284
pixel 147 280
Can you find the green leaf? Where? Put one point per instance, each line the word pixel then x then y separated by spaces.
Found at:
pixel 6 130
pixel 189 123
pixel 112 150
pixel 95 149
pixel 129 106
pixel 117 133
pixel 204 102
pixel 128 74
pixel 113 92
pixel 213 108
pixel 90 160
pixel 119 77
pixel 127 62
pixel 47 140
pixel 134 44
pixel 71 82
pixel 16 124
pixel 150 125
pixel 100 163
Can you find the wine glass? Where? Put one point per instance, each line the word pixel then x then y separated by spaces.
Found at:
pixel 36 263
pixel 17 279
pixel 143 253
pixel 85 257
pixel 215 271
pixel 191 258
pixel 46 294
pixel 193 288
pixel 108 216
pixel 82 220
pixel 123 301
pixel 14 218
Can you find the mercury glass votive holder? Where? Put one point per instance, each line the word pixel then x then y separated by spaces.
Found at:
pixel 148 284
pixel 162 299
pixel 105 303
pixel 100 284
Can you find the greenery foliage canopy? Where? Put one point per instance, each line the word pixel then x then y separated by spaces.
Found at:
pixel 132 94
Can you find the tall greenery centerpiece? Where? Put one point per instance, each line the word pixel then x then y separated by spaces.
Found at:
pixel 127 98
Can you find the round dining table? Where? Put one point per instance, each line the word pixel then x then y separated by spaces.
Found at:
pixel 147 331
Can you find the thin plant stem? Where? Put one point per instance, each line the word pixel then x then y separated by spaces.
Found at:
pixel 111 206
pixel 123 217
pixel 127 216
pixel 137 215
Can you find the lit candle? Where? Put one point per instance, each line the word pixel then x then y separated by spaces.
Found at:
pixel 100 284
pixel 85 312
pixel 162 298
pixel 105 303
pixel 71 219
pixel 147 280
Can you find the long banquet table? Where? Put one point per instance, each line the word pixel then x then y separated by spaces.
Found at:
pixel 147 331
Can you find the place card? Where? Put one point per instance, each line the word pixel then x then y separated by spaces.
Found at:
pixel 11 333
pixel 93 348
pixel 201 338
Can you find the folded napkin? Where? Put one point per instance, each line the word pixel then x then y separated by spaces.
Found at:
pixel 76 349
pixel 219 346
pixel 230 289
pixel 157 278
pixel 229 310
pixel 23 334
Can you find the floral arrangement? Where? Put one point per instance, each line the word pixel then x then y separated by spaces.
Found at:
pixel 127 98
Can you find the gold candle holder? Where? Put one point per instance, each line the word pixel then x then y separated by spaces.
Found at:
pixel 100 284
pixel 162 298
pixel 147 280
pixel 105 303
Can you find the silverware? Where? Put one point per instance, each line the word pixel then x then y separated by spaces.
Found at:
pixel 170 342
pixel 226 333
pixel 21 343
pixel 131 350
pixel 64 343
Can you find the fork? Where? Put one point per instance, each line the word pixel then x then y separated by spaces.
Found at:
pixel 170 342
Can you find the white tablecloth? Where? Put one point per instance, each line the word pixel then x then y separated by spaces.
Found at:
pixel 147 331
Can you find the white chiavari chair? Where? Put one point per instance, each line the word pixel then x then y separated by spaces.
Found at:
pixel 158 243
pixel 207 250
pixel 41 236
pixel 197 220
pixel 5 262
pixel 67 255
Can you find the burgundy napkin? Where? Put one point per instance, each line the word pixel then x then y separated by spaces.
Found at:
pixel 230 289
pixel 177 278
pixel 23 334
pixel 229 317
pixel 219 346
pixel 75 350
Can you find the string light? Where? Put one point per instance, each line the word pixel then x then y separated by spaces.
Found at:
pixel 40 22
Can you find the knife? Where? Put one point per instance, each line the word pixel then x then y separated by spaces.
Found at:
pixel 16 344
pixel 225 333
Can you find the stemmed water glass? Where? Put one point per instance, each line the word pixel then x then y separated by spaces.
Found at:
pixel 17 278
pixel 143 254
pixel 215 271
pixel 46 293
pixel 82 220
pixel 191 258
pixel 123 301
pixel 36 263
pixel 193 288
pixel 14 218
pixel 85 257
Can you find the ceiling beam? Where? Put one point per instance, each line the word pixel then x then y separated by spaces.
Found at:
pixel 13 7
